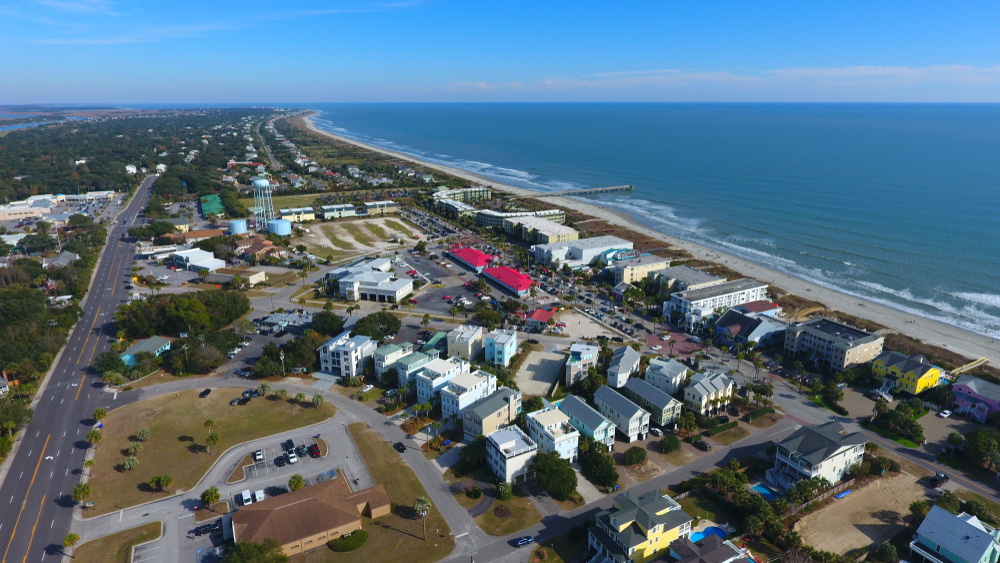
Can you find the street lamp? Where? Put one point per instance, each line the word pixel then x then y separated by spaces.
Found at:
pixel 282 356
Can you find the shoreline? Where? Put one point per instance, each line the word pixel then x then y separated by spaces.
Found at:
pixel 928 331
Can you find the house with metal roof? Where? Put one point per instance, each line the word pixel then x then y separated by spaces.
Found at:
pixel 639 528
pixel 826 451
pixel 386 356
pixel 629 418
pixel 708 391
pixel 667 375
pixel 662 408
pixel 155 345
pixel 488 415
pixel 409 366
pixel 588 421
pixel 624 364
pixel 944 537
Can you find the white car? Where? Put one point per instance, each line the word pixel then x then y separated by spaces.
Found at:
pixel 292 458
pixel 258 495
pixel 246 498
pixel 655 348
pixel 258 455
pixel 944 414
pixel 391 392
pixel 367 388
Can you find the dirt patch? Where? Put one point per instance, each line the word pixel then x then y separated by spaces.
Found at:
pixel 641 471
pixel 871 515
pixel 501 512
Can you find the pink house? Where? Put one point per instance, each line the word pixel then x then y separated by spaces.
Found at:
pixel 976 398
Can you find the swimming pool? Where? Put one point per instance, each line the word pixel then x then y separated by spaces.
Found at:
pixel 698 536
pixel 765 492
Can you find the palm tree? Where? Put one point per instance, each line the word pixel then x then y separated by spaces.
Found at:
pixel 282 394
pixel 263 388
pixel 296 482
pixel 212 439
pixel 757 366
pixel 81 492
pixel 130 463
pixel 881 408
pixel 88 464
pixel 209 425
pixel 317 400
pixel 724 349
pixel 71 539
pixel 300 398
pixel 426 321
pixel 100 413
pixel 422 506
pixel 454 311
pixel 93 437
pixel 142 435
pixel 210 496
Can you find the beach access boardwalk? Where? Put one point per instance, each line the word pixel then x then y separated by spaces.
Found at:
pixel 584 191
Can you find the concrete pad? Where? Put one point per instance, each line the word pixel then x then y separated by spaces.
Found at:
pixel 539 371
pixel 586 489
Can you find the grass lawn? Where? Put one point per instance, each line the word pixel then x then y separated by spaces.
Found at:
pixel 377 230
pixel 323 448
pixel 397 536
pixel 218 509
pixel 522 515
pixel 465 500
pixel 727 437
pixel 177 441
pixel 994 507
pixel 355 231
pixel 703 506
pixel 951 461
pixel 286 201
pixel 572 503
pixel 906 442
pixel 398 226
pixel 116 548
pixel 679 457
pixel 334 238
pixel 160 377
pixel 767 420
pixel 764 549
pixel 239 473
pixel 560 549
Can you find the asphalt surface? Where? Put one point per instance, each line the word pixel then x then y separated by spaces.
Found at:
pixel 46 466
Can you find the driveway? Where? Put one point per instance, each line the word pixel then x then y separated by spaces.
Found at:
pixel 539 370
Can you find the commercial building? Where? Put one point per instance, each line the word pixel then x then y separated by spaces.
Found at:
pixel 683 278
pixel 911 374
pixel 944 537
pixel 309 517
pixel 501 347
pixel 581 358
pixel 489 414
pixel 180 223
pixel 472 193
pixel 435 375
pixel 639 528
pixel 345 355
pixel 249 278
pixel 975 397
pixel 667 375
pixel 380 207
pixel 471 258
pixel 385 357
pixel 154 345
pixel 191 237
pixel 736 327
pixel 632 270
pixel 509 279
pixel 409 366
pixel 551 430
pixel 629 418
pixel 464 390
pixel 455 208
pixel 826 451
pixel 298 214
pixel 828 342
pixel 295 322
pixel 16 213
pixel 588 421
pixel 197 260
pixel 466 342
pixel 338 211
pixel 369 281
pixel 509 453
pixel 491 218
pixel 539 230
pixel 212 205
pixel 695 305
pixel 662 408
pixel 709 391
pixel 579 253
pixel 624 363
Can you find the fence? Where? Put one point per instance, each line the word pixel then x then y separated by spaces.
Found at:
pixel 822 496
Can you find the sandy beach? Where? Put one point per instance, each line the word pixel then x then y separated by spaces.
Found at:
pixel 932 332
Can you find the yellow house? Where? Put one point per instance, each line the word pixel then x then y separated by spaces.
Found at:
pixel 912 374
pixel 639 528
pixel 299 214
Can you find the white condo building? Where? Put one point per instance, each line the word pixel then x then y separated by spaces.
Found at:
pixel 345 355
pixel 436 374
pixel 509 453
pixel 550 428
pixel 462 391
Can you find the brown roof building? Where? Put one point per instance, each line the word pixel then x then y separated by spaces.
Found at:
pixel 309 517
pixel 195 236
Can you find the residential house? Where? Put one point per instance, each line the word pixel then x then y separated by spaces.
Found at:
pixel 295 322
pixel 639 528
pixel 463 391
pixel 345 355
pixel 581 358
pixel 437 345
pixel 466 342
pixel 975 397
pixel 538 320
pixel 624 364
pixel 662 408
pixel 667 375
pixel 387 356
pixel 501 347
pixel 709 549
pixel 551 430
pixel 180 223
pixel 944 537
pixel 826 451
pixel 435 375
pixel 309 517
pixel 912 374
pixel 827 342
pixel 588 421
pixel 61 260
pixel 708 391
pixel 509 453
pixel 155 345
pixel 409 366
pixel 629 418
pixel 491 413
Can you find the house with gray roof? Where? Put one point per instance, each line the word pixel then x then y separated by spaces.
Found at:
pixel 683 278
pixel 409 365
pixel 944 537
pixel 736 327
pixel 976 397
pixel 624 364
pixel 491 413
pixel 708 391
pixel 588 421
pixel 710 549
pixel 662 408
pixel 629 418
pixel 638 528
pixel 667 375
pixel 826 451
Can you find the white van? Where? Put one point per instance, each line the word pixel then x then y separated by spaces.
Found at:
pixel 246 498
pixel 258 495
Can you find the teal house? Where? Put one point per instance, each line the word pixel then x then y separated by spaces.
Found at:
pixel 588 421
pixel 946 538
pixel 155 345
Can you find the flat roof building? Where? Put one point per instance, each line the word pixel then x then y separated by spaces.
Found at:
pixel 509 453
pixel 632 270
pixel 539 230
pixel 825 341
pixel 579 253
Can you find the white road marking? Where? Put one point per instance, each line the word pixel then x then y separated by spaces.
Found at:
pixel 21 475
pixel 51 474
pixel 53 524
pixel 58 452
pixel 64 433
pixel 187 516
pixel 120 515
pixel 460 535
pixel 67 471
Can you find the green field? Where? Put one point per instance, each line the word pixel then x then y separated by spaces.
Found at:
pixel 377 230
pixel 285 201
pixel 355 231
pixel 399 226
pixel 116 548
pixel 331 235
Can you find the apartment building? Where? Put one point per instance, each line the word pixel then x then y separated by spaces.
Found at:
pixel 435 375
pixel 345 355
pixel 466 342
pixel 579 253
pixel 823 341
pixel 694 306
pixel 463 391
pixel 551 430
pixel 632 270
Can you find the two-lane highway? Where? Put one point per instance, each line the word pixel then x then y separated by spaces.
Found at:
pixel 36 506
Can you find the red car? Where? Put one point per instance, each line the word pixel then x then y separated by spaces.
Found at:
pixel 414 301
pixel 446 297
pixel 412 272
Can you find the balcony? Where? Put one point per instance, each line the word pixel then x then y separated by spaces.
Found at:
pixel 915 548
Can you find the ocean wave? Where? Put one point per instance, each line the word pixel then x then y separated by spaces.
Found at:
pixel 988 299
pixel 643 211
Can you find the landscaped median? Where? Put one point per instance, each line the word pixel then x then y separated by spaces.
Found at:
pixel 177 441
pixel 116 548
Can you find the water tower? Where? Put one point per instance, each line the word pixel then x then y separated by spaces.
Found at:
pixel 263 210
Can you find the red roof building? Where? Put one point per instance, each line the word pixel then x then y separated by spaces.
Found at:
pixel 509 279
pixel 540 317
pixel 765 307
pixel 471 258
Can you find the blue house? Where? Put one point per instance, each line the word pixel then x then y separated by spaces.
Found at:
pixel 501 346
pixel 155 345
pixel 946 538
pixel 588 421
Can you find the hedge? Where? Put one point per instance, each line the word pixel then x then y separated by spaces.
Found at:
pixel 350 542
pixel 721 428
pixel 759 413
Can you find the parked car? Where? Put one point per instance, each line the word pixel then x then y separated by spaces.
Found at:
pixel 391 392
pixel 206 528
pixel 655 348
pixel 258 455
pixel 702 445
pixel 400 447
pixel 248 393
pixel 243 401
pixel 292 458
pixel 367 388
pixel 302 450
pixel 723 419
pixel 656 432
pixel 279 461
pixel 258 495
pixel 234 402
pixel 523 541
pixel 205 393
pixel 939 479
pixel 246 498
pixel 314 451
pixel 945 413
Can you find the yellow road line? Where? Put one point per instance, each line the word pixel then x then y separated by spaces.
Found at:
pixel 13 532
pixel 88 336
pixel 84 376
pixel 32 539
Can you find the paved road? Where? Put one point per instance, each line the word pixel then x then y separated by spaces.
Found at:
pixel 36 508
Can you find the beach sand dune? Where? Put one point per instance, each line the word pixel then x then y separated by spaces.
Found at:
pixel 957 340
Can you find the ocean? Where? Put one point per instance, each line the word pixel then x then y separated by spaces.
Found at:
pixel 896 203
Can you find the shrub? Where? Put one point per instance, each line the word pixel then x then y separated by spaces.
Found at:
pixel 634 455
pixel 758 413
pixel 504 491
pixel 349 542
pixel 722 428
pixel 670 444
pixel 473 492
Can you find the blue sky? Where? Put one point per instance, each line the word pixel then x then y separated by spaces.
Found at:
pixel 246 51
